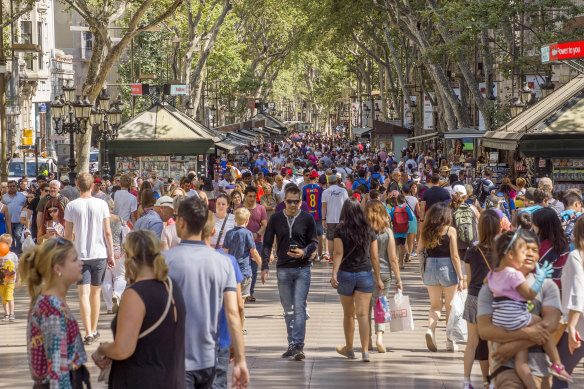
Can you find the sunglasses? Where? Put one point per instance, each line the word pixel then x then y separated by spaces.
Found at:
pixel 292 201
pixel 53 210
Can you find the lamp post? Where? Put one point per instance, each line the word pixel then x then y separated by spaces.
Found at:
pixel 547 87
pixel 105 121
pixel 72 120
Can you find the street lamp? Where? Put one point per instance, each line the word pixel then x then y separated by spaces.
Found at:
pixel 516 107
pixel 71 115
pixel 190 108
pixel 526 94
pixel 105 121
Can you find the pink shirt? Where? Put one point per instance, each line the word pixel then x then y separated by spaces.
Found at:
pixel 255 219
pixel 504 283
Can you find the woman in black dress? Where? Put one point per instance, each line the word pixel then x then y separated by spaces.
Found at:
pixel 148 350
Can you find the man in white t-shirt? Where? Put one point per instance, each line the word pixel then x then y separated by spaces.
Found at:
pixel 87 225
pixel 333 199
pixel 125 203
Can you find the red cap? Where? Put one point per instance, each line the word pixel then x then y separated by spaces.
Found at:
pixel 289 172
pixel 313 174
pixel 97 181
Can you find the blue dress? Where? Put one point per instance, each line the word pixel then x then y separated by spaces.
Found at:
pixel 2 222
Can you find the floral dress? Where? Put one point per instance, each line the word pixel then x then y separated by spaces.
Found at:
pixel 53 342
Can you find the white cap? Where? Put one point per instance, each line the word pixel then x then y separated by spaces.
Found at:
pixel 459 189
pixel 164 201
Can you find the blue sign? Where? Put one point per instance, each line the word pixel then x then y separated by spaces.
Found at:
pixel 42 107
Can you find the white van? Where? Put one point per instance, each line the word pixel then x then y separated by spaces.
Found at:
pixel 16 168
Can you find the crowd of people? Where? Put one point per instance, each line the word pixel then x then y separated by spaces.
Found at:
pixel 176 262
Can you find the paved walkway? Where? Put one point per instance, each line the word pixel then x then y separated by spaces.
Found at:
pixel 407 364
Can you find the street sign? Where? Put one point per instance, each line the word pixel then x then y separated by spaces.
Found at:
pixel 271 105
pixel 561 51
pixel 42 107
pixel 29 147
pixel 176 90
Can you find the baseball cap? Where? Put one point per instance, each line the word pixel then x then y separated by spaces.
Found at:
pixel 164 201
pixel 97 181
pixel 416 178
pixel 405 188
pixel 332 179
pixel 313 174
pixel 459 189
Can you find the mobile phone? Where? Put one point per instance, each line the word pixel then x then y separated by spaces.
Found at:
pixel 293 246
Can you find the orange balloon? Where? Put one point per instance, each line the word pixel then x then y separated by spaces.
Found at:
pixel 4 249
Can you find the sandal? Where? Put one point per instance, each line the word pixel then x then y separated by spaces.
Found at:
pixel 560 373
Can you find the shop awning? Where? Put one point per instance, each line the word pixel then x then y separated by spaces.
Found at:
pixel 502 140
pixel 568 145
pixel 464 133
pixel 420 138
pixel 360 131
pixel 227 145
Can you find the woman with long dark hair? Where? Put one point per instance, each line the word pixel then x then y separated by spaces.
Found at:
pixel 554 247
pixel 442 271
pixel 355 253
pixel 478 262
pixel 52 222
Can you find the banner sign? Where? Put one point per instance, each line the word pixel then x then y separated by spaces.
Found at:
pixel 559 51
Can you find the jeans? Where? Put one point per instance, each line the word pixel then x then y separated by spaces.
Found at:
pixel 293 285
pixel 17 229
pixel 386 278
pixel 254 269
pixel 221 368
pixel 200 379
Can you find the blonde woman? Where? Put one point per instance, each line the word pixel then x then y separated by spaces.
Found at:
pixel 55 349
pixel 442 269
pixel 148 350
pixel 376 215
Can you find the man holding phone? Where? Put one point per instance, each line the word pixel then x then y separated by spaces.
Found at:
pixel 295 231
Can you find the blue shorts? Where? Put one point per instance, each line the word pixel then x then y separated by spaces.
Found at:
pixel 440 271
pixel 349 282
pixel 319 228
pixel 413 226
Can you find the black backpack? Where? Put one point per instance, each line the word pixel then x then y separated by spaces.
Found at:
pixel 480 190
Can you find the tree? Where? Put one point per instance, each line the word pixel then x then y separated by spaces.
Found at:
pixel 100 16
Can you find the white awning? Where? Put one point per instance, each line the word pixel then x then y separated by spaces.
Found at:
pixel 502 140
pixel 464 133
pixel 361 131
pixel 420 138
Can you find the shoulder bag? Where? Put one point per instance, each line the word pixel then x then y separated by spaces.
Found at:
pixel 221 232
pixel 105 373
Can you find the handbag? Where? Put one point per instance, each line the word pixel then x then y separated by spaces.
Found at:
pixel 105 373
pixel 401 313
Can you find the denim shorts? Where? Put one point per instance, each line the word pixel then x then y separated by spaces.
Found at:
pixel 319 228
pixel 93 272
pixel 349 282
pixel 440 271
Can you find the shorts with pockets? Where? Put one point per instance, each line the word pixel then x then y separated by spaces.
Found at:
pixel 246 287
pixel 93 272
pixel 440 271
pixel 330 230
pixel 349 282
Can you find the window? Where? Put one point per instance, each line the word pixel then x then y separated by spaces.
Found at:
pixel 87 44
pixel 40 43
pixel 26 37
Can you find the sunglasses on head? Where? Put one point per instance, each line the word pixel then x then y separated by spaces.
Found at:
pixel 292 201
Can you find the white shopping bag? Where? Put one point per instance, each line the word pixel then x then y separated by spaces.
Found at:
pixel 401 313
pixel 28 243
pixel 456 328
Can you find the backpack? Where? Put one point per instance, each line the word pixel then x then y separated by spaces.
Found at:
pixel 568 222
pixel 465 222
pixel 400 220
pixel 374 179
pixel 480 189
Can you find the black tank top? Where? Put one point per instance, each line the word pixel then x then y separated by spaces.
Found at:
pixel 159 358
pixel 443 249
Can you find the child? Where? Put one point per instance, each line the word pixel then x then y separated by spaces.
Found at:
pixel 8 266
pixel 511 292
pixel 239 243
pixel 401 216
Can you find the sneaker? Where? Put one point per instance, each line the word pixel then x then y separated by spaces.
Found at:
pixel 298 354
pixel 12 317
pixel 451 346
pixel 115 303
pixel 325 257
pixel 289 352
pixel 431 341
pixel 244 331
pixel 250 299
pixel 365 357
pixel 96 335
pixel 88 340
pixel 467 385
pixel 560 373
pixel 413 255
pixel 344 352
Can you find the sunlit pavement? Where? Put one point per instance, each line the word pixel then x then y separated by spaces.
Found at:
pixel 407 364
